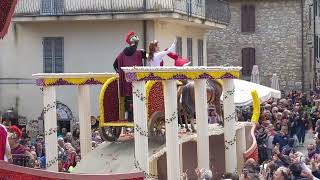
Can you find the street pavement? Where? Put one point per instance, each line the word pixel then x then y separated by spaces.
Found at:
pixel 308 140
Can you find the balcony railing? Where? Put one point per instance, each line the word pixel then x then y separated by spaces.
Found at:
pixel 192 8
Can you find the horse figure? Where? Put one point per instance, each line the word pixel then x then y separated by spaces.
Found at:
pixel 186 101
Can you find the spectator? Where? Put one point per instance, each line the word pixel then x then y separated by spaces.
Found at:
pixel 281 138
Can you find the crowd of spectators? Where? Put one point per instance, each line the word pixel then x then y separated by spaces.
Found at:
pixel 30 152
pixel 280 135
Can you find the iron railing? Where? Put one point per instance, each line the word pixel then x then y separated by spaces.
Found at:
pixel 192 8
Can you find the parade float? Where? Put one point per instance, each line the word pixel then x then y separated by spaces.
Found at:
pixel 156 105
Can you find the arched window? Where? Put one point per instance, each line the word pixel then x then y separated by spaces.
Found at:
pixel 248 60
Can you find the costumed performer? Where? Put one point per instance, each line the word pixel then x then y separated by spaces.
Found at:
pixel 5 151
pixel 129 57
pixel 155 56
pixel 23 156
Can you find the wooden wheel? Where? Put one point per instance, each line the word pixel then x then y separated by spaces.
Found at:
pixel 157 127
pixel 110 133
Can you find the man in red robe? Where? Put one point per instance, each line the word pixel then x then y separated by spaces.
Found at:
pixel 5 152
pixel 129 57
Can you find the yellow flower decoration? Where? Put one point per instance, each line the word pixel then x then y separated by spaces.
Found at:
pixel 256 107
pixel 50 81
pixel 190 75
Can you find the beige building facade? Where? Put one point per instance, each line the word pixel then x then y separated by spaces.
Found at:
pixel 86 36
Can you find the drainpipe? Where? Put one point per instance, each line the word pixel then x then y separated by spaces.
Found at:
pixel 302 46
pixel 144 31
pixel 314 50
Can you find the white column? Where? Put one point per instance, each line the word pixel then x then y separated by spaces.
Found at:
pixel 241 147
pixel 229 126
pixel 85 119
pixel 172 145
pixel 140 124
pixel 202 123
pixel 50 128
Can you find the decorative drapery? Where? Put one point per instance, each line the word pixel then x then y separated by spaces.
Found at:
pixel 7 8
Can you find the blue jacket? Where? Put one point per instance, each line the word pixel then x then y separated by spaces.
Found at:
pixel 282 140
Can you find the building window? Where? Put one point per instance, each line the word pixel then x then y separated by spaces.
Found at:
pixel 248 60
pixel 248 18
pixel 189 50
pixel 179 46
pixel 316 44
pixel 310 16
pixel 200 52
pixel 53 55
pixel 52 7
pixel 316 8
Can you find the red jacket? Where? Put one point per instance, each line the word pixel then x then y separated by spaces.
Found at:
pixel 3 141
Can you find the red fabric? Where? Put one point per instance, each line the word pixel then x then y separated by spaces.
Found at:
pixel 12 175
pixel 128 36
pixel 3 142
pixel 155 99
pixel 178 61
pixel 127 61
pixel 7 8
pixel 111 103
pixel 15 129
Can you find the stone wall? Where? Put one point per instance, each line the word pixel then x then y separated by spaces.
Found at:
pixel 277 41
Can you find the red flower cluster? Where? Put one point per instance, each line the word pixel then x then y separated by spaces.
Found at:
pixel 7 8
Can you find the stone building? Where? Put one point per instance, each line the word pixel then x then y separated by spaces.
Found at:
pixel 55 36
pixel 276 35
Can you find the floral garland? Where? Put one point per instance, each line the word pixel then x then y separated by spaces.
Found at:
pixel 172 117
pixel 231 116
pixel 48 107
pixel 75 81
pixel 139 95
pixel 146 175
pixel 139 130
pixel 228 94
pixel 188 75
pixel 227 143
pixel 51 131
pixel 256 107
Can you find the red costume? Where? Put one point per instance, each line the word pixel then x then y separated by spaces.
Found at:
pixel 3 142
pixel 129 57
pixel 178 61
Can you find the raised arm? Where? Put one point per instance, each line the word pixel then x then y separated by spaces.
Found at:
pixel 161 54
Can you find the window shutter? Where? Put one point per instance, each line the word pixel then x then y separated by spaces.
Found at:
pixel 179 46
pixel 47 55
pixel 252 18
pixel 189 50
pixel 46 6
pixel 200 52
pixel 316 46
pixel 59 6
pixel 243 18
pixel 58 51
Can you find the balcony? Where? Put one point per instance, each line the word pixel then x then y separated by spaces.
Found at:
pixel 218 12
